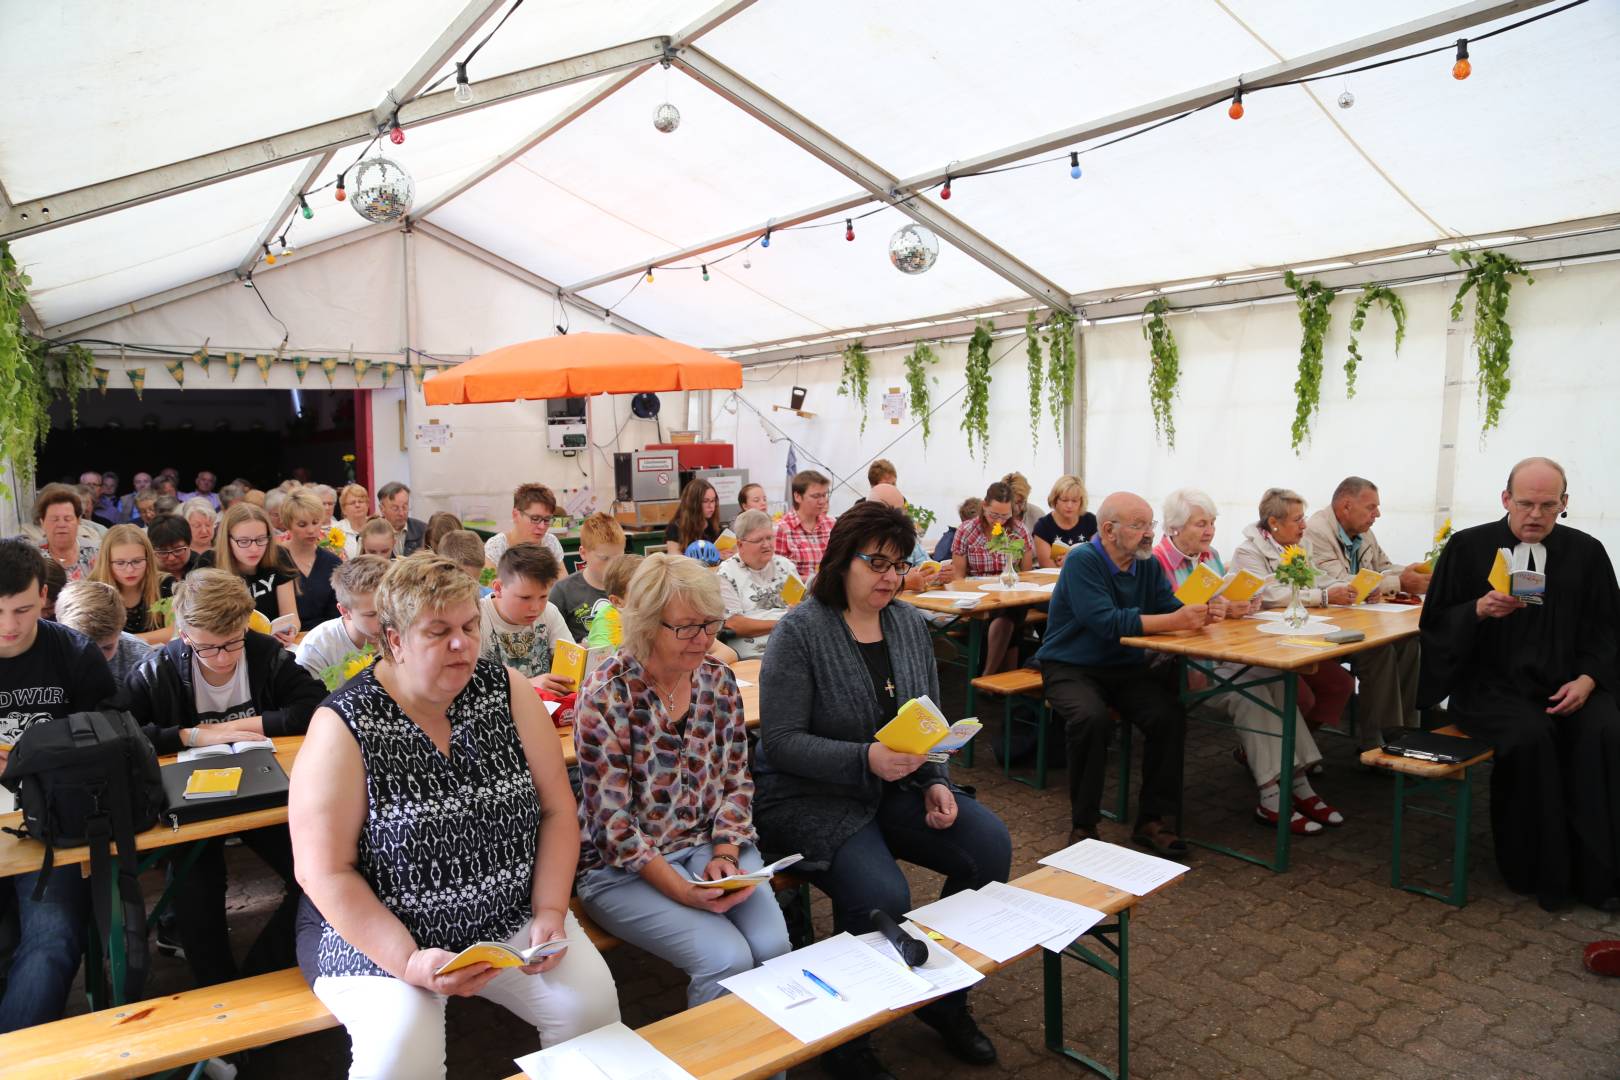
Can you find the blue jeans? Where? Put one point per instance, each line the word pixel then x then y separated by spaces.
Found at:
pixel 50 945
pixel 974 851
pixel 708 947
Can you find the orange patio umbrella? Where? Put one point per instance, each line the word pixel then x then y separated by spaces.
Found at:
pixel 579 365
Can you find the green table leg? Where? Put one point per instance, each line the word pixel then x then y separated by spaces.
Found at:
pixel 975 658
pixel 1119 971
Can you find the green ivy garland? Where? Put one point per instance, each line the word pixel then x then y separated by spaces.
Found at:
pixel 1314 298
pixel 73 367
pixel 856 375
pixel 1392 303
pixel 917 361
pixel 921 517
pixel 24 396
pixel 1060 367
pixel 1488 274
pixel 1164 368
pixel 1036 366
pixel 976 400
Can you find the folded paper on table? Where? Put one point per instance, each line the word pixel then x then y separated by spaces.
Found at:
pixel 866 982
pixel 944 970
pixel 1121 868
pixel 1392 609
pixel 1310 627
pixel 986 924
pixel 1074 919
pixel 954 594
pixel 613 1051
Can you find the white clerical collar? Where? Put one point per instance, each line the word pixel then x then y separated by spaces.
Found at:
pixel 1522 554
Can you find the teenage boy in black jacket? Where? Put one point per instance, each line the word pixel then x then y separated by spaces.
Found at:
pixel 217 681
pixel 46 672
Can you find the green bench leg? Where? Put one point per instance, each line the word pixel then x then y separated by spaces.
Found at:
pixel 1458 793
pixel 1009 720
pixel 1119 970
pixel 1122 802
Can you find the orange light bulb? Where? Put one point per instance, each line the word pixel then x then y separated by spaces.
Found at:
pixel 1461 69
pixel 1236 110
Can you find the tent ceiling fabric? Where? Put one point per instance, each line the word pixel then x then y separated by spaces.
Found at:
pixel 581 365
pixel 1297 181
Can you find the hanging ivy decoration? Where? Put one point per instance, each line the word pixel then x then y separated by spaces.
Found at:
pixel 1036 366
pixel 976 400
pixel 1314 298
pixel 856 375
pixel 1373 294
pixel 1488 273
pixel 24 396
pixel 917 361
pixel 74 369
pixel 1060 368
pixel 1164 368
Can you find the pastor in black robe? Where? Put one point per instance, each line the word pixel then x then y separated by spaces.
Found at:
pixel 1555 781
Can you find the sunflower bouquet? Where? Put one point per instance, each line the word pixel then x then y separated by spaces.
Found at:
pixel 334 540
pixel 335 675
pixel 1005 543
pixel 1295 568
pixel 1441 535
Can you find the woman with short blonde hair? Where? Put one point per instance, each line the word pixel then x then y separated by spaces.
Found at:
pixel 474 838
pixel 353 511
pixel 301 511
pixel 653 823
pixel 1067 525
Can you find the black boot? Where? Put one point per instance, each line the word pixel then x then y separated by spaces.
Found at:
pixel 855 1060
pixel 955 1024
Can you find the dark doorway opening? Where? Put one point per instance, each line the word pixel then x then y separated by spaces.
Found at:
pixel 265 436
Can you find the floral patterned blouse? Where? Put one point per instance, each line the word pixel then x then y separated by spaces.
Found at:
pixel 649 786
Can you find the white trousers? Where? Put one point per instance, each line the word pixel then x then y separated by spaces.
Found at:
pixel 1265 751
pixel 396 1031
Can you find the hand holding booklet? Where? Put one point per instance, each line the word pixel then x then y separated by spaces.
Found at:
pixel 919 727
pixel 733 882
pixel 498 954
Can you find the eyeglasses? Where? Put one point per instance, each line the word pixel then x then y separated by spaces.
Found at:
pixel 1525 506
pixel 763 541
pixel 1137 526
pixel 997 519
pixel 538 520
pixel 128 564
pixel 691 630
pixel 171 552
pixel 882 564
pixel 214 650
pixel 245 542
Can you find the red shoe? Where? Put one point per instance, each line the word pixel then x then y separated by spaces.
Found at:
pixel 1602 957
pixel 1299 825
pixel 1318 811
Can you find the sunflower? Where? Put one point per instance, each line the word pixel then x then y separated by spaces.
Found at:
pixel 995 530
pixel 1444 534
pixel 358 662
pixel 1293 554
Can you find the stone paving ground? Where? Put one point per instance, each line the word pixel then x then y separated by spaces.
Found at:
pixel 1324 971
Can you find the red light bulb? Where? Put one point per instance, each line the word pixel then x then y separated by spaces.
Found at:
pixel 945 192
pixel 396 135
pixel 849 229
pixel 340 194
pixel 1235 110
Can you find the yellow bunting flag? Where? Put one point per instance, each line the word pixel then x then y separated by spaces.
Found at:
pixel 137 379
pixel 177 370
pixel 361 366
pixel 389 368
pixel 300 367
pixel 102 376
pixel 329 364
pixel 263 362
pixel 233 363
pixel 419 372
pixel 201 358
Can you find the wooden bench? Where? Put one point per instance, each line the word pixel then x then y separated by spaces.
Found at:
pixel 1019 686
pixel 1451 785
pixel 169 1032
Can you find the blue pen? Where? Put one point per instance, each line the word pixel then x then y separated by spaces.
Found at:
pixel 813 977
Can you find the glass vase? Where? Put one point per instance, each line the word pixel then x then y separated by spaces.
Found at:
pixel 1009 574
pixel 1294 614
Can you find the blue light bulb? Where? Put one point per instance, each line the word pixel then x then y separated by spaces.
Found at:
pixel 1074 165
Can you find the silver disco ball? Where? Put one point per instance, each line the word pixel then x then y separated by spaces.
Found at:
pixel 667 118
pixel 1346 100
pixel 913 248
pixel 381 190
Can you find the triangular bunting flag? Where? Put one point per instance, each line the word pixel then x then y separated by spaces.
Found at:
pixel 137 379
pixel 102 376
pixel 361 366
pixel 177 370
pixel 263 362
pixel 419 372
pixel 233 363
pixel 300 367
pixel 200 358
pixel 329 365
pixel 388 370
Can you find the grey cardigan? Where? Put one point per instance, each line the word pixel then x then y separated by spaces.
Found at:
pixel 813 790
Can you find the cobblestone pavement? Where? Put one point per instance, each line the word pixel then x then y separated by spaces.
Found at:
pixel 1324 971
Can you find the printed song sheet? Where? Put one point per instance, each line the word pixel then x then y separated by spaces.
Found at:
pixel 1075 919
pixel 944 970
pixel 856 982
pixel 613 1052
pixel 985 924
pixel 1130 871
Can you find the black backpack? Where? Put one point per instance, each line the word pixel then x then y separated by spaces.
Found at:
pixel 92 779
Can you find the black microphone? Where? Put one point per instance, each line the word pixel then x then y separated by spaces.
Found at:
pixel 912 951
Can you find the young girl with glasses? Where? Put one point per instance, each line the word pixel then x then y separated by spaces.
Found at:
pixel 245 545
pixel 127 563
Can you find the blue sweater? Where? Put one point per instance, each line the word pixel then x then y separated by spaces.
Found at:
pixel 1095 604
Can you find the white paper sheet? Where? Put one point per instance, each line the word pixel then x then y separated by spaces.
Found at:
pixel 952 594
pixel 1391 609
pixel 985 924
pixel 613 1052
pixel 867 982
pixel 944 970
pixel 1075 919
pixel 1310 628
pixel 1265 616
pixel 1135 872
pixel 743 684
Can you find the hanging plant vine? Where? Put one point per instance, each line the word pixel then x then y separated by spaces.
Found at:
pixel 1314 298
pixel 1488 274
pixel 855 377
pixel 976 398
pixel 24 396
pixel 1374 294
pixel 1164 368
pixel 917 361
pixel 1036 366
pixel 1060 356
pixel 73 367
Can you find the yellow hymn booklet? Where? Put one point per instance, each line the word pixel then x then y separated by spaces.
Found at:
pixel 1241 585
pixel 1059 549
pixel 793 590
pixel 915 728
pixel 213 783
pixel 568 661
pixel 1201 586
pixel 500 955
pixel 1501 577
pixel 1365 581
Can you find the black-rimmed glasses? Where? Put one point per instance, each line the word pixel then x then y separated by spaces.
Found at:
pixel 691 630
pixel 882 564
pixel 214 650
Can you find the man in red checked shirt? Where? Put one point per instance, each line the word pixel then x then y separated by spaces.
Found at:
pixel 802 534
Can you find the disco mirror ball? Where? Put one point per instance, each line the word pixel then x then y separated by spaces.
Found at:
pixel 667 118
pixel 381 190
pixel 913 249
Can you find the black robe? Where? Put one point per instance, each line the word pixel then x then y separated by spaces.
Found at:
pixel 1555 784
